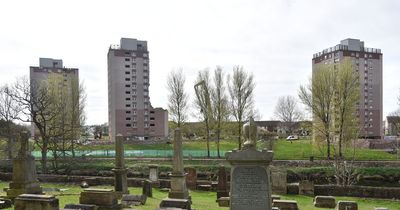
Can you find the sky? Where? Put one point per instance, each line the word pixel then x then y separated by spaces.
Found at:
pixel 273 39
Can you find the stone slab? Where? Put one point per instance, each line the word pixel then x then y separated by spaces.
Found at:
pixel 135 200
pixel 347 205
pixel 279 181
pixel 37 202
pixel 99 197
pixel 324 201
pixel 81 206
pixel 176 203
pixel 381 208
pixel 285 204
pixel 306 187
pixel 5 203
pixel 223 201
pixel 275 197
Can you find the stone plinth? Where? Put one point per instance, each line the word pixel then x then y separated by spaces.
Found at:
pixel 324 201
pixel 24 179
pixel 191 178
pixel 153 173
pixel 99 197
pixel 223 201
pixel 121 180
pixel 285 204
pixel 278 180
pixel 306 187
pixel 347 205
pixel 81 206
pixel 135 200
pixel 178 181
pixel 36 202
pixel 250 181
pixel 175 203
pixel 222 186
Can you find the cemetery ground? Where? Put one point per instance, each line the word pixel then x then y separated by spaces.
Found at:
pixel 203 200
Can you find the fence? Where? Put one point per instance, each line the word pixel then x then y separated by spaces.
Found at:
pixel 137 153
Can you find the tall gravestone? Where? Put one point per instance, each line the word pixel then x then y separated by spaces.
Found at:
pixel 121 181
pixel 153 172
pixel 222 186
pixel 178 195
pixel 24 179
pixel 250 176
pixel 279 180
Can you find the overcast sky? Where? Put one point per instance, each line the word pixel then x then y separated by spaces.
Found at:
pixel 275 40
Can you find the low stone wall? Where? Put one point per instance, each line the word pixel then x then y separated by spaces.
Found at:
pixel 358 191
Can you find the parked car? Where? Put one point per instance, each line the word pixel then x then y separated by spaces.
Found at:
pixel 292 137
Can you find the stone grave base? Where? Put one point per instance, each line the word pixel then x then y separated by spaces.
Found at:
pixel 324 201
pixel 81 206
pixel 223 201
pixel 5 203
pixel 133 200
pixel 222 194
pixel 347 205
pixel 99 197
pixel 37 202
pixel 285 204
pixel 176 203
pixel 275 197
pixel 18 189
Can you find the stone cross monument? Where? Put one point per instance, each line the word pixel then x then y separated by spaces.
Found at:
pixel 121 181
pixel 250 179
pixel 24 179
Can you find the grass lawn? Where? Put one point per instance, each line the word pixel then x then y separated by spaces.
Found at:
pixel 283 150
pixel 206 200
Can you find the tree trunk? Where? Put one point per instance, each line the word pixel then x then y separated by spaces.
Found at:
pixel 328 146
pixel 208 139
pixel 218 137
pixel 44 161
pixel 240 135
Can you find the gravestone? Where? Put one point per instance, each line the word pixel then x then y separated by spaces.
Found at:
pixel 347 205
pixel 306 187
pixel 24 178
pixel 147 189
pixel 5 203
pixel 278 180
pixel 222 186
pixel 285 204
pixel 36 202
pixel 153 172
pixel 121 181
pixel 223 201
pixel 135 200
pixel 191 178
pixel 250 176
pixel 324 201
pixel 178 195
pixel 104 198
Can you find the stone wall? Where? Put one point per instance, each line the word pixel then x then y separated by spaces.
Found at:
pixel 358 191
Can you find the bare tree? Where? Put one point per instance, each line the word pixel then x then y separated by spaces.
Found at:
pixel 9 111
pixel 287 111
pixel 203 103
pixel 177 96
pixel 241 87
pixel 220 103
pixel 347 96
pixel 318 98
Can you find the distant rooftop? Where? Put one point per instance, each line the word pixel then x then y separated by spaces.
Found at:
pixel 130 44
pixel 50 63
pixel 350 45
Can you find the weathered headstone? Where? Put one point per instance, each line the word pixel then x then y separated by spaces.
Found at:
pixel 121 180
pixel 250 176
pixel 135 200
pixel 293 188
pixel 223 201
pixel 306 187
pixel 36 202
pixel 178 195
pixel 347 205
pixel 153 172
pixel 24 179
pixel 106 198
pixel 81 206
pixel 324 201
pixel 222 186
pixel 147 189
pixel 285 204
pixel 191 178
pixel 278 180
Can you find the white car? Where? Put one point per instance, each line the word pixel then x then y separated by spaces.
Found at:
pixel 292 137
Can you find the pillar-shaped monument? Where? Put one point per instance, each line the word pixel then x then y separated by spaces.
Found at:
pixel 178 181
pixel 24 179
pixel 250 179
pixel 121 181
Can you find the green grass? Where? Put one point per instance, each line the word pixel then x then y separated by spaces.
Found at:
pixel 206 200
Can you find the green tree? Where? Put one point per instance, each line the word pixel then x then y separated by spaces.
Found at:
pixel 177 97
